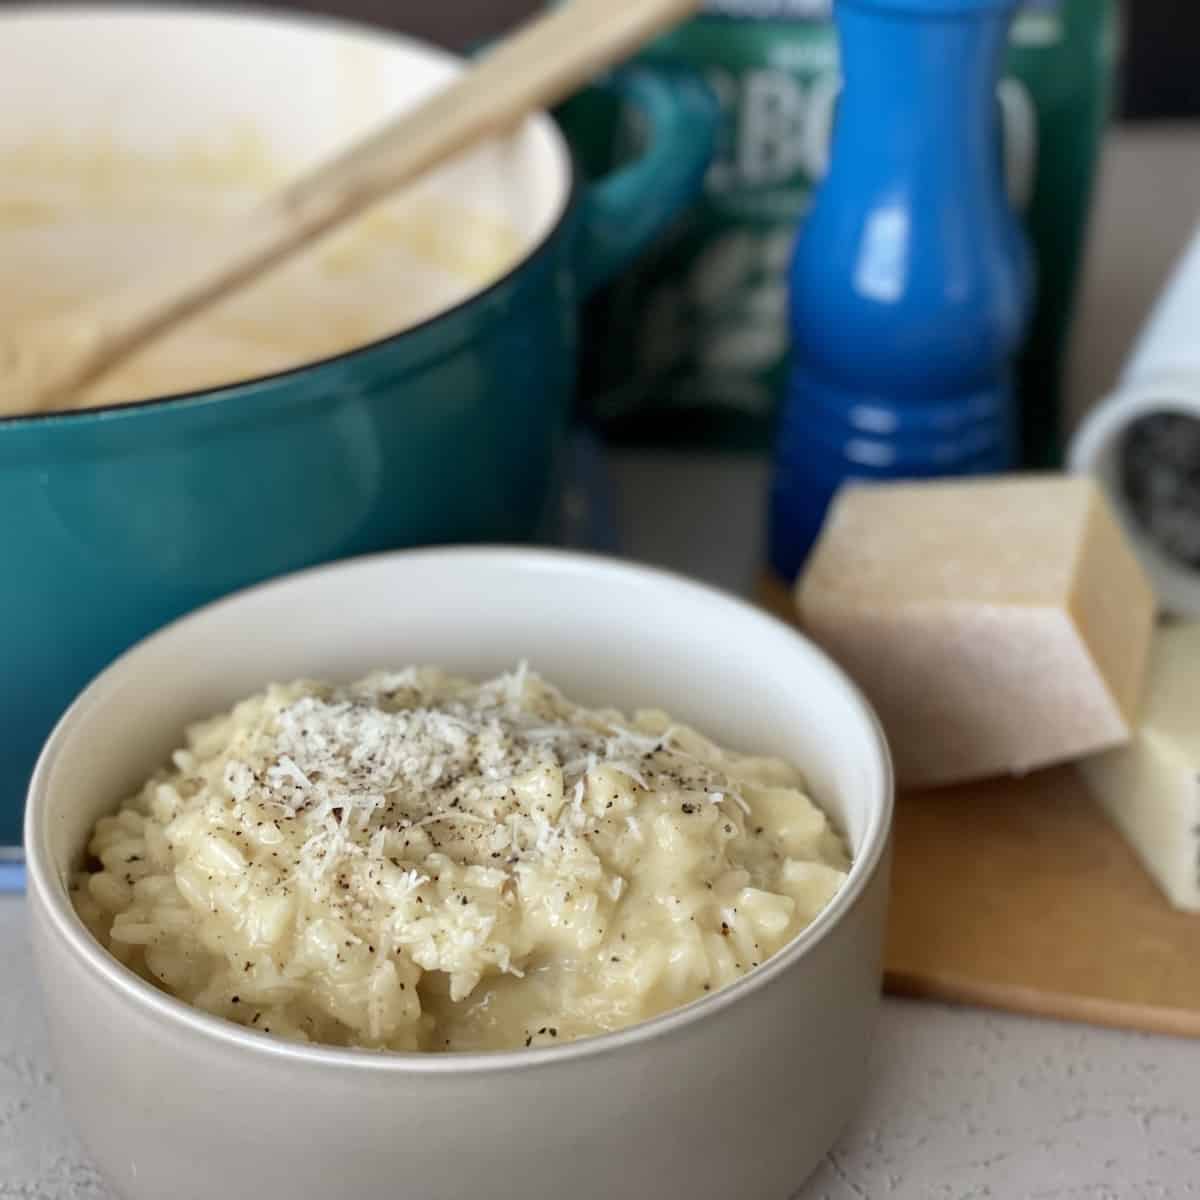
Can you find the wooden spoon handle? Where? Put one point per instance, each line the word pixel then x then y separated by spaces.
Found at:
pixel 538 66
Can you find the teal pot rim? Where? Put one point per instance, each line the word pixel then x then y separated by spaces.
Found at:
pixel 260 387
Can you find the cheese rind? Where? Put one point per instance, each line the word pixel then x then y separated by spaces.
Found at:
pixel 997 625
pixel 1150 789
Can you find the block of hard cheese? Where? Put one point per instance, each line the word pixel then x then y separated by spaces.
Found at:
pixel 1151 788
pixel 996 624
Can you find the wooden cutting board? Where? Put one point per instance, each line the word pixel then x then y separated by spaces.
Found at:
pixel 1018 894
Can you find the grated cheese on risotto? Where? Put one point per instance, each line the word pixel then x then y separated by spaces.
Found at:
pixel 419 862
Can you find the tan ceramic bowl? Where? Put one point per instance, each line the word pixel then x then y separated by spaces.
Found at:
pixel 735 1096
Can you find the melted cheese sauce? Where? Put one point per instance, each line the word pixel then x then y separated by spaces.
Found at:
pixel 418 862
pixel 75 225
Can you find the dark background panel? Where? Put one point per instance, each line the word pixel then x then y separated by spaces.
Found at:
pixel 1162 59
pixel 453 23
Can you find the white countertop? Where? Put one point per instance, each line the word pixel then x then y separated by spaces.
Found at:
pixel 963 1104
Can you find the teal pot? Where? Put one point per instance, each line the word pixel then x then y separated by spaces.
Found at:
pixel 447 423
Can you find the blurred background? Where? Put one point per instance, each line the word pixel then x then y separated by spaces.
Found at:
pixel 1159 77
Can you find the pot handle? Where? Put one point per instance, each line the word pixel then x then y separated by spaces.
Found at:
pixel 676 116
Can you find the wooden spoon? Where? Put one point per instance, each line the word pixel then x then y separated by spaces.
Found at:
pixel 43 365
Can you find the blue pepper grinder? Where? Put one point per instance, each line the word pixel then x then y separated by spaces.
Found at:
pixel 911 279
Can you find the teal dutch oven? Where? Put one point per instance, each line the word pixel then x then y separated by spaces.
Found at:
pixel 449 428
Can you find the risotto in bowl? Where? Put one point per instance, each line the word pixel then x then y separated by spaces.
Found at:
pixel 445 868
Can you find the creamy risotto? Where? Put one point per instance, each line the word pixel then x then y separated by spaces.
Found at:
pixel 420 862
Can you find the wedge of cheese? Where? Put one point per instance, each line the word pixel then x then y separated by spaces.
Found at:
pixel 1151 788
pixel 997 625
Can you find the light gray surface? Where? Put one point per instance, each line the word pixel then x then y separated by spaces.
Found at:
pixel 1147 208
pixel 963 1105
pixel 702 514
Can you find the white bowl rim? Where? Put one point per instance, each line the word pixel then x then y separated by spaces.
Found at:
pixel 232 12
pixel 44 885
